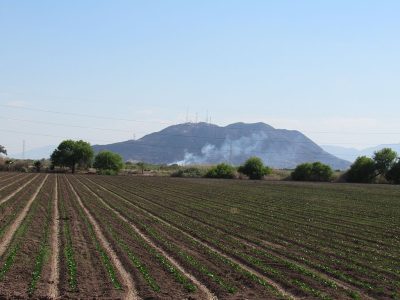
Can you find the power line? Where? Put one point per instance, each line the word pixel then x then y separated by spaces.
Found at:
pixel 82 115
pixel 63 125
pixel 164 134
pixel 169 123
pixel 47 135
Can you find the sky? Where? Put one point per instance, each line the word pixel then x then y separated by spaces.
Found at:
pixel 108 71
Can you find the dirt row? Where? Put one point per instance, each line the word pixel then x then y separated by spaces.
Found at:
pixel 252 255
pixel 225 280
pixel 82 272
pixel 24 245
pixel 371 278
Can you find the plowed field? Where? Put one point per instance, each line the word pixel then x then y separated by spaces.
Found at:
pixel 115 237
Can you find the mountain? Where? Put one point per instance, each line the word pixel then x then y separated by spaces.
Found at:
pixel 203 143
pixel 351 153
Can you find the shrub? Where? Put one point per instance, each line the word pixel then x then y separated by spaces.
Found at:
pixel 38 165
pixel 362 170
pixel 302 172
pixel 107 172
pixel 191 172
pixel 222 171
pixel 312 172
pixel 254 168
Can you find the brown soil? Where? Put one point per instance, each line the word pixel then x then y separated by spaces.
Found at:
pixel 13 181
pixel 55 244
pixel 16 282
pixel 169 288
pixel 222 269
pixel 93 280
pixel 7 196
pixel 5 241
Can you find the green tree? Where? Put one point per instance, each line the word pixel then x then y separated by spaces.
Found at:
pixel 393 175
pixel 316 171
pixel 38 165
pixel 321 172
pixel 254 168
pixel 72 153
pixel 107 160
pixel 221 171
pixel 362 170
pixel 384 160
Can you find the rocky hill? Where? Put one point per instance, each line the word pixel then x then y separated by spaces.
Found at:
pixel 202 143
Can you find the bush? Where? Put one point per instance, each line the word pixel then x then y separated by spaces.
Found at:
pixel 191 172
pixel 312 172
pixel 393 175
pixel 107 160
pixel 362 170
pixel 222 171
pixel 302 172
pixel 254 168
pixel 107 172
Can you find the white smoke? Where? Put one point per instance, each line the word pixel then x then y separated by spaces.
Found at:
pixel 245 146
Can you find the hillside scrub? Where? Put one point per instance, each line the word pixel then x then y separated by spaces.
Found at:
pixel 312 172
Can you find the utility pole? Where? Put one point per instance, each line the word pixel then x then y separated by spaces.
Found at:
pixel 23 149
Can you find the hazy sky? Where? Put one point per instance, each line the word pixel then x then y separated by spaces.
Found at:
pixel 328 68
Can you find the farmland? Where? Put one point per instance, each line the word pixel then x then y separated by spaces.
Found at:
pixel 168 238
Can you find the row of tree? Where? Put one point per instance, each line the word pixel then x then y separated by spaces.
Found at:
pixel 384 164
pixel 74 154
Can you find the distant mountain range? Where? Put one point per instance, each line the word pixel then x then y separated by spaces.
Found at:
pixel 203 143
pixel 351 154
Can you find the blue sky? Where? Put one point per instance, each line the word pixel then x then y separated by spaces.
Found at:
pixel 328 68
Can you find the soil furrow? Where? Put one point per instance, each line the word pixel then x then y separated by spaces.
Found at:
pixel 8 177
pixel 245 267
pixel 17 190
pixel 14 182
pixel 128 282
pixel 201 286
pixel 54 275
pixel 10 233
pixel 338 282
